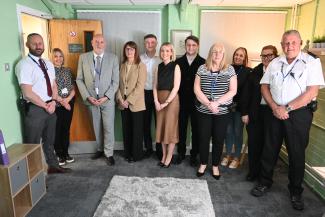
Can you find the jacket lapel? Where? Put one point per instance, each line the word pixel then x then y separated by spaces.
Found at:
pixel 91 63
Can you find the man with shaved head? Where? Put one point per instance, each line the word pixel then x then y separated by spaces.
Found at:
pixel 98 80
pixel 36 77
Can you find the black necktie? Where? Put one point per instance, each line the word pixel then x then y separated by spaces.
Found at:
pixel 46 76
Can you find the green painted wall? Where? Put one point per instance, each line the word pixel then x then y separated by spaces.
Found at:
pixel 10 121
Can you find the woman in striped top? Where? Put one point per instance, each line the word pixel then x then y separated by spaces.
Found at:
pixel 215 85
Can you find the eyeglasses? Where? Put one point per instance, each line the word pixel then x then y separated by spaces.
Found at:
pixel 268 56
pixel 129 49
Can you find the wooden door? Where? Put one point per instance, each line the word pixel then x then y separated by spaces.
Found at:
pixel 73 38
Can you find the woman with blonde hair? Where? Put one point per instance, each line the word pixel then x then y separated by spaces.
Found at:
pixel 215 85
pixel 165 90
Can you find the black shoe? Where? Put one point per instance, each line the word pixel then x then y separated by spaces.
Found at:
pixel 166 166
pixel 216 177
pixel 179 159
pixel 160 164
pixel 193 161
pixel 297 202
pixel 62 161
pixel 199 174
pixel 259 190
pixel 69 159
pixel 148 153
pixel 131 160
pixel 97 155
pixel 110 161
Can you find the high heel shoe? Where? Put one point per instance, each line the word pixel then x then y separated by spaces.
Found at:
pixel 166 166
pixel 198 174
pixel 216 177
pixel 160 164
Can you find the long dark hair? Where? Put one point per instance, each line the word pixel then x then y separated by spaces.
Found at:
pixel 132 44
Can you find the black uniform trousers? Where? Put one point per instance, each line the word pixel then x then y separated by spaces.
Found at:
pixel 295 132
pixel 214 126
pixel 150 109
pixel 188 112
pixel 256 137
pixel 62 133
pixel 38 124
pixel 132 125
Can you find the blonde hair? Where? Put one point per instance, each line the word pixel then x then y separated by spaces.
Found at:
pixel 213 48
pixel 173 57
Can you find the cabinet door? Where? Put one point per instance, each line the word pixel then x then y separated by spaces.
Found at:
pixel 38 187
pixel 18 176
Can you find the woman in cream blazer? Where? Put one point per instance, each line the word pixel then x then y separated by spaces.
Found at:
pixel 130 99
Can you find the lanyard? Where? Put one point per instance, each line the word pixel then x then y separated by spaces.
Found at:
pixel 38 63
pixel 213 83
pixel 289 72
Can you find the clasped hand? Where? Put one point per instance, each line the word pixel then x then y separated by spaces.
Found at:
pixel 97 102
pixel 213 106
pixel 281 113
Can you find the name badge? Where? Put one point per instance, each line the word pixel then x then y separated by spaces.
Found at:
pixel 64 91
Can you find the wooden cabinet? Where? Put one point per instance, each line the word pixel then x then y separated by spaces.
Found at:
pixel 22 182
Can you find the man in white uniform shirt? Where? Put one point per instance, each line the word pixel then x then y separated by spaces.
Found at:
pixel 289 86
pixel 36 77
pixel 152 61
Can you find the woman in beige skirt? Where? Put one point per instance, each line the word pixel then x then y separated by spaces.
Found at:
pixel 166 84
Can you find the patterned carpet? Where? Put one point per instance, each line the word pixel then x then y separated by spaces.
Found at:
pixel 155 197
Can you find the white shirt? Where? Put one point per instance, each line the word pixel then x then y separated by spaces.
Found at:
pixel 289 81
pixel 29 72
pixel 151 64
pixel 263 102
pixel 95 60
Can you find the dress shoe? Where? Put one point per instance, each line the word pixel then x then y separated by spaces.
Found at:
pixel 216 177
pixel 179 159
pixel 193 161
pixel 166 165
pixel 148 153
pixel 160 164
pixel 199 174
pixel 110 161
pixel 97 155
pixel 131 160
pixel 59 169
pixel 259 190
pixel 297 202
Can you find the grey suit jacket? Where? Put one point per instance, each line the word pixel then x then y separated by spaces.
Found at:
pixel 109 78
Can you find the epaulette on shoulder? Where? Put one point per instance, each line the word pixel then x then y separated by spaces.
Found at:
pixel 312 54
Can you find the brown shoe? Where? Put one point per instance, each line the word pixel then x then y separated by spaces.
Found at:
pixel 59 169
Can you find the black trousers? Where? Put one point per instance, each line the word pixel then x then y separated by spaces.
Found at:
pixel 187 112
pixel 147 118
pixel 41 125
pixel 295 132
pixel 62 133
pixel 256 137
pixel 132 125
pixel 214 126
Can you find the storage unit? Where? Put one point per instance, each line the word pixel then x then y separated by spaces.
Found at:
pixel 22 182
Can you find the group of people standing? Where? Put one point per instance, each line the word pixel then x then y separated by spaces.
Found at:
pixel 275 101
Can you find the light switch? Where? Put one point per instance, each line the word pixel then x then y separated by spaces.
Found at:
pixel 7 67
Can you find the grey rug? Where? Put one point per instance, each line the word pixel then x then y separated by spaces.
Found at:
pixel 156 197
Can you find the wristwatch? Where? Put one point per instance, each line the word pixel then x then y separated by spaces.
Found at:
pixel 288 108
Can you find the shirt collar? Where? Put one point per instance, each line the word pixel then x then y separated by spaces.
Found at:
pixel 147 57
pixel 34 57
pixel 283 59
pixel 95 55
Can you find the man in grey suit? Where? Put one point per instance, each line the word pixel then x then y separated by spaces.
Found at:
pixel 97 80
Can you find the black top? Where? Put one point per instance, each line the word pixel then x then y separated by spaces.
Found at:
pixel 252 91
pixel 166 76
pixel 188 72
pixel 242 73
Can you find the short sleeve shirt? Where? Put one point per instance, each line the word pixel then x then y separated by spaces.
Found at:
pixel 29 72
pixel 214 85
pixel 289 81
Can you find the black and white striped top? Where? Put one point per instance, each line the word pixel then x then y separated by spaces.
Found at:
pixel 214 85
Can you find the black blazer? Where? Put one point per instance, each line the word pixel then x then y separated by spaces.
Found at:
pixel 242 77
pixel 252 91
pixel 188 72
